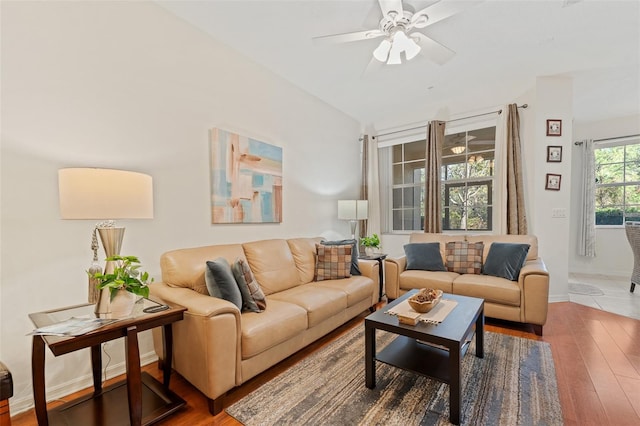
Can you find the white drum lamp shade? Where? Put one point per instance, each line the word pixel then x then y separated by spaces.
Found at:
pixel 353 211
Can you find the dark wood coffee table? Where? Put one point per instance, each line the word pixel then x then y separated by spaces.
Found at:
pixel 438 358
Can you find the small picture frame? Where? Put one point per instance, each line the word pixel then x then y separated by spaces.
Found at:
pixel 553 182
pixel 554 154
pixel 554 127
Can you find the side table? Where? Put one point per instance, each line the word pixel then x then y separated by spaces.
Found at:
pixel 380 257
pixel 139 400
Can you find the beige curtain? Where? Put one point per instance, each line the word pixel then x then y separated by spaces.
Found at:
pixel 516 218
pixel 364 186
pixel 587 234
pixel 432 198
pixel 370 186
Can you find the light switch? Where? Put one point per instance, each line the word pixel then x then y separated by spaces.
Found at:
pixel 558 212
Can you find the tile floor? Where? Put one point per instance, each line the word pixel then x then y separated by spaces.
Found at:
pixel 616 298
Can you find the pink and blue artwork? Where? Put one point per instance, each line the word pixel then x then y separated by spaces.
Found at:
pixel 246 179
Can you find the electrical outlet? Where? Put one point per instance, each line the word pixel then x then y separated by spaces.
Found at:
pixel 558 213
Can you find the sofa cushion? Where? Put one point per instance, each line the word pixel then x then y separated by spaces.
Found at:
pixel 424 256
pixel 505 260
pixel 221 283
pixel 320 302
pixel 304 255
pixel 253 299
pixel 277 324
pixel 357 288
pixel 333 262
pixel 491 289
pixel 355 269
pixel 186 267
pixel 273 265
pixel 427 279
pixel 464 257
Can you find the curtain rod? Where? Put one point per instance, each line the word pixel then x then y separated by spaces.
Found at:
pixel 609 139
pixel 449 121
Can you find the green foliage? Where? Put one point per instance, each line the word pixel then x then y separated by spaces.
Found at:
pixel 125 276
pixel 372 241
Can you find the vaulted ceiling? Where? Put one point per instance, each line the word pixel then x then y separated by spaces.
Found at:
pixel 501 48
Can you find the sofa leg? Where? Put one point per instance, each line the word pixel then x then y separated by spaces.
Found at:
pixel 633 287
pixel 216 405
pixel 372 309
pixel 5 416
pixel 537 329
pixel 160 364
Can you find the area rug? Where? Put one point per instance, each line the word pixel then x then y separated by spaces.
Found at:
pixel 585 289
pixel 514 384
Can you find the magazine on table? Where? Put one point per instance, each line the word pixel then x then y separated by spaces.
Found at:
pixel 72 327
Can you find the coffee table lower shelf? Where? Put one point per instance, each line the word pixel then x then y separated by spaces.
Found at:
pixel 421 358
pixel 110 407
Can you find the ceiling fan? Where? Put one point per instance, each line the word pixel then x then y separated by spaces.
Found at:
pixel 398 26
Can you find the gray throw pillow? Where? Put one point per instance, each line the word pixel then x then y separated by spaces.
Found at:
pixel 424 256
pixel 355 269
pixel 505 260
pixel 221 283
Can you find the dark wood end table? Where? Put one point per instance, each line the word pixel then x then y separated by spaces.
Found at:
pixel 140 400
pixel 431 350
pixel 380 257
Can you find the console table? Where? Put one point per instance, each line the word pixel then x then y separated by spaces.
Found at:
pixel 139 400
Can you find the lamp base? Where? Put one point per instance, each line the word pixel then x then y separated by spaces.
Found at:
pixel 112 242
pixel 353 224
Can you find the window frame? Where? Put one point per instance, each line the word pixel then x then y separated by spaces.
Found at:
pixel 409 136
pixel 631 140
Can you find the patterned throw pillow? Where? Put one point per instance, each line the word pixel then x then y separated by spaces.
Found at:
pixel 464 257
pixel 333 262
pixel 253 299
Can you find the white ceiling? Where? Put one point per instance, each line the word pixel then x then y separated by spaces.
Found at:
pixel 501 47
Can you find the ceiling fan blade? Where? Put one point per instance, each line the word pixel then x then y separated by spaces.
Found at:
pixel 433 50
pixel 348 37
pixel 391 6
pixel 373 66
pixel 439 11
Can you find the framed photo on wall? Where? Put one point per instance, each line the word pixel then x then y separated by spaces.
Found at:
pixel 554 154
pixel 554 127
pixel 553 182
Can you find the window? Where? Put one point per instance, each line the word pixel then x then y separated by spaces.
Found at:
pixel 467 180
pixel 617 192
pixel 467 176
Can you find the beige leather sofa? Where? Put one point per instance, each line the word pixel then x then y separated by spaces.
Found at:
pixel 525 300
pixel 216 347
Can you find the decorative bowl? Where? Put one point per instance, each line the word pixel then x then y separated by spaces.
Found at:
pixel 424 307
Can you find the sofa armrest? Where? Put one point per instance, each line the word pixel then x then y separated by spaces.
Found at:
pixel 534 284
pixel 206 343
pixel 370 269
pixel 393 267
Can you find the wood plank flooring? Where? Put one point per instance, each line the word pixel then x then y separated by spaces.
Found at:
pixel 596 356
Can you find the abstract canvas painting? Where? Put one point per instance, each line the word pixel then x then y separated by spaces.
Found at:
pixel 246 179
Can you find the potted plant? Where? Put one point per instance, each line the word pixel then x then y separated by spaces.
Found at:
pixel 123 282
pixel 371 244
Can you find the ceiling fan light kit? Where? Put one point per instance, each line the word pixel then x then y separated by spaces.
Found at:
pixel 395 26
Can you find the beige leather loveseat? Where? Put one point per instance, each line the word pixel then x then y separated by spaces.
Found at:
pixel 217 347
pixel 524 300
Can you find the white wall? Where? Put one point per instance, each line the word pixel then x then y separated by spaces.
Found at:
pixel 127 85
pixel 613 253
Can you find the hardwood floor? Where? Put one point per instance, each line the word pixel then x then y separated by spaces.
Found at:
pixel 596 356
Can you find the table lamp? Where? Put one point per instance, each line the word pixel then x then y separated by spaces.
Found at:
pixel 353 211
pixel 105 194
